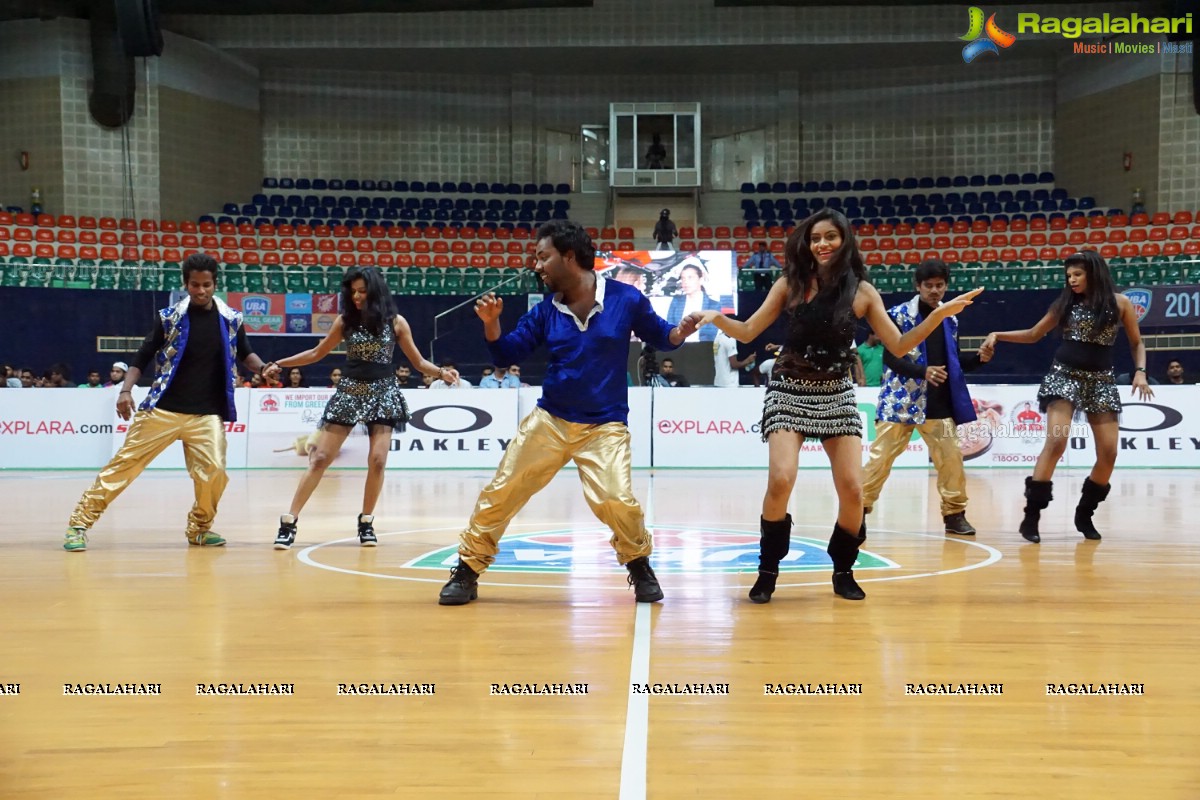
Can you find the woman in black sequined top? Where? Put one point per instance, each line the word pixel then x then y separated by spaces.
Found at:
pixel 367 394
pixel 824 290
pixel 1089 311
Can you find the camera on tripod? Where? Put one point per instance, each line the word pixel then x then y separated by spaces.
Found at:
pixel 648 366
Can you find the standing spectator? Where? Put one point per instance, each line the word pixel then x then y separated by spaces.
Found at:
pixel 656 153
pixel 665 230
pixel 871 356
pixel 726 364
pixel 761 263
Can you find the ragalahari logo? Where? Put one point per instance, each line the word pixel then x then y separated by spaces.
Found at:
pixel 984 37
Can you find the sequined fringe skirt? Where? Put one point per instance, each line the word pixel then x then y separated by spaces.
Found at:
pixel 367 402
pixel 1089 391
pixel 820 409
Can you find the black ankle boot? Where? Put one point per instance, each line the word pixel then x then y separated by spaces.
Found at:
pixel 644 581
pixel 366 530
pixel 1037 496
pixel 462 588
pixel 1093 495
pixel 773 545
pixel 843 549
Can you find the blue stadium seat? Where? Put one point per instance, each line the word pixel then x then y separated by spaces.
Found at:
pixel 926 183
pixel 545 188
pixel 362 202
pixel 286 183
pixel 259 200
pixel 945 182
pixel 875 185
pixel 779 187
pixel 1004 196
pixel 795 187
pixel 355 213
pixel 529 188
pixel 909 183
pixel 345 202
pixel 970 197
pixel 762 187
pixel 859 185
pixel 976 180
pixel 512 188
pixel 1022 195
pixel 842 186
pixel 826 186
pixel 338 213
pixel 1087 202
pixel 1012 179
pixel 812 186
pixel 352 185
pixel 1059 194
pixel 1045 177
pixel 368 185
pixel 498 188
pixel 391 213
pixel 481 188
pixel 1041 194
pixel 562 188
pixel 400 186
pixel 893 184
pixel 303 184
pixel 1067 204
pixel 995 180
pixel 270 183
pixel 230 208
pixel 385 185
pixel 747 188
pixel 318 185
pixel 336 185
pixel 464 187
pixel 417 186
pixel 1029 177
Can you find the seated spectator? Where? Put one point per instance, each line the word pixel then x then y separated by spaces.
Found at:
pixel 512 380
pixel 459 383
pixel 116 374
pixel 667 370
pixel 335 377
pixel 1175 373
pixel 93 380
pixel 295 379
pixel 56 377
pixel 11 379
pixel 404 376
pixel 28 380
pixel 485 375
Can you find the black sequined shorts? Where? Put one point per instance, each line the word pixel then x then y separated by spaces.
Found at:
pixel 367 403
pixel 815 409
pixel 1089 391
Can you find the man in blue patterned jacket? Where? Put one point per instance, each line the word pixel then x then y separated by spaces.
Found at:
pixel 195 346
pixel 926 390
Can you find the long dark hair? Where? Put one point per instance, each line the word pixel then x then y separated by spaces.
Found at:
pixel 379 309
pixel 846 271
pixel 1100 294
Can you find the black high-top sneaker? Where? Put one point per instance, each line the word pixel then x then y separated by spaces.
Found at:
pixel 462 588
pixel 287 532
pixel 644 581
pixel 366 530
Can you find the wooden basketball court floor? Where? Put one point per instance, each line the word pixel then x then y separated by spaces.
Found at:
pixel 942 614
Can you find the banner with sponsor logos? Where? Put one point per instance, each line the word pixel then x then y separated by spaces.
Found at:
pixel 1161 432
pixel 710 427
pixel 449 428
pixel 55 428
pixel 294 314
pixel 1165 306
pixel 695 427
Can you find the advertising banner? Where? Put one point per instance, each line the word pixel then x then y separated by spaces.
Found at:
pixel 450 428
pixel 710 427
pixel 56 428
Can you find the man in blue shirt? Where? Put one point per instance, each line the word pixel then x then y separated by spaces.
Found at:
pixel 761 263
pixel 585 323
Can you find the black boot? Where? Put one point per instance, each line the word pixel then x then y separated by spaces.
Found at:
pixel 773 545
pixel 366 530
pixel 462 588
pixel 644 581
pixel 1093 495
pixel 1037 497
pixel 958 525
pixel 843 549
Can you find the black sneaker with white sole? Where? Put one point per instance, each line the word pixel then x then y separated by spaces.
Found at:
pixel 287 532
pixel 366 530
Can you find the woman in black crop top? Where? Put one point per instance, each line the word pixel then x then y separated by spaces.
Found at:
pixel 1088 312
pixel 824 290
pixel 368 393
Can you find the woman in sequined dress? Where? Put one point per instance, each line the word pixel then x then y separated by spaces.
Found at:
pixel 1088 312
pixel 824 290
pixel 368 393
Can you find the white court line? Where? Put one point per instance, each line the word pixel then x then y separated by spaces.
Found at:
pixel 637 714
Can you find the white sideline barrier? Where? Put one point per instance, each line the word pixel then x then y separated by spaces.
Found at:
pixel 470 428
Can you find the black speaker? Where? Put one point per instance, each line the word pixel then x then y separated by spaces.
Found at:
pixel 111 99
pixel 137 23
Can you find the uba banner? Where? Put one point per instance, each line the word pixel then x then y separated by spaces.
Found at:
pixel 1165 306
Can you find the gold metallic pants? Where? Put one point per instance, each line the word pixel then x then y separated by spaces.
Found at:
pixel 941 436
pixel 152 432
pixel 543 445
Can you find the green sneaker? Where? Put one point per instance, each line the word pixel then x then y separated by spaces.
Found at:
pixel 206 539
pixel 75 540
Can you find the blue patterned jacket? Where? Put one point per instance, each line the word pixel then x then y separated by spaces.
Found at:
pixel 902 399
pixel 175 329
